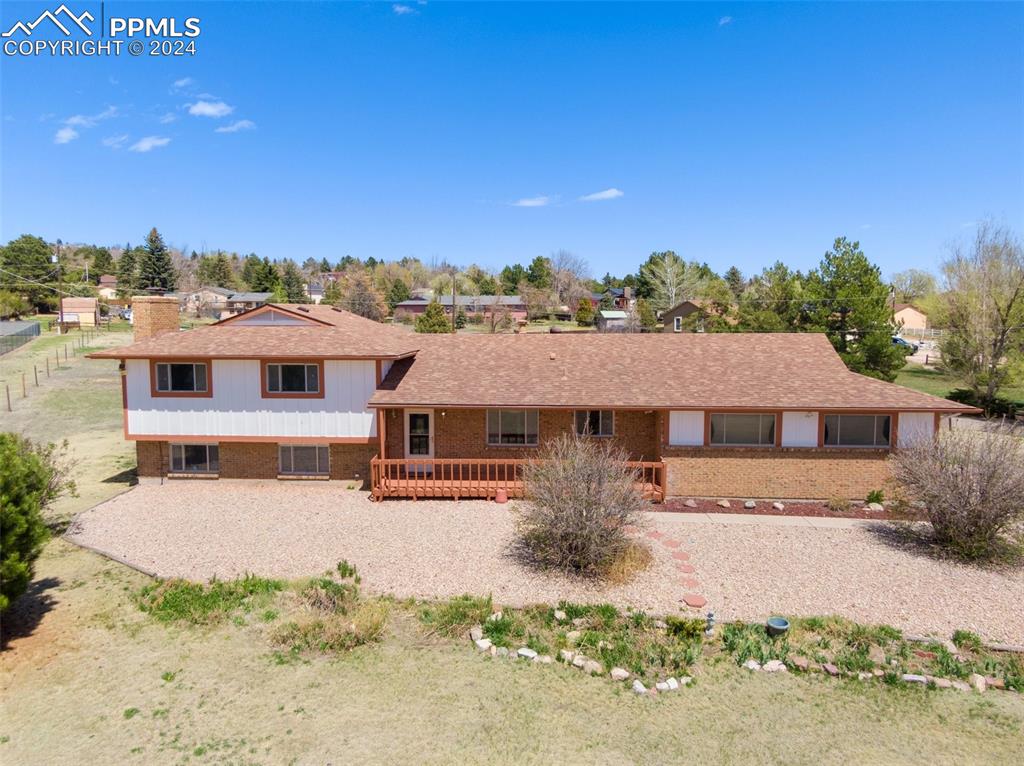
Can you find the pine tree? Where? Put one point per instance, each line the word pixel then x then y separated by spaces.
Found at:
pixel 127 272
pixel 646 315
pixel 156 271
pixel 585 313
pixel 291 281
pixel 332 293
pixel 399 292
pixel 734 278
pixel 215 270
pixel 325 266
pixel 460 318
pixel 433 319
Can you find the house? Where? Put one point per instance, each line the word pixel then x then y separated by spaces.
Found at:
pixel 673 319
pixel 107 288
pixel 908 317
pixel 315 392
pixel 84 311
pixel 314 292
pixel 622 297
pixel 206 300
pixel 612 321
pixel 238 302
pixel 476 305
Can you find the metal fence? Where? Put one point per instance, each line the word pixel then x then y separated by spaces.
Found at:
pixel 16 334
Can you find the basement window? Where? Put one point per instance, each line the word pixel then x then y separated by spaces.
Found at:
pixel 304 460
pixel 857 430
pixel 195 458
pixel 595 422
pixel 512 428
pixel 742 430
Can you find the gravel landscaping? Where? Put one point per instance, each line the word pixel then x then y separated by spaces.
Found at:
pixel 429 549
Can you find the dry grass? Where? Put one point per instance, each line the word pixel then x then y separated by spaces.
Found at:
pixel 215 694
pixel 631 561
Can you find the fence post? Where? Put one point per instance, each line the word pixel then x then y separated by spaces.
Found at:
pixel 35 372
pixel 8 388
pixel 47 366
pixel 24 390
pixel 65 352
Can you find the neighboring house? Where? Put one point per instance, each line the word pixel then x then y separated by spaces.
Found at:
pixel 612 321
pixel 673 319
pixel 85 311
pixel 207 300
pixel 907 317
pixel 239 302
pixel 622 297
pixel 314 292
pixel 107 288
pixel 299 391
pixel 479 305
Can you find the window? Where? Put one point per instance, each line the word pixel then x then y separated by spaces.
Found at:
pixel 299 379
pixel 595 422
pixel 512 427
pixel 195 458
pixel 180 378
pixel 677 324
pixel 304 460
pixel 743 429
pixel 857 430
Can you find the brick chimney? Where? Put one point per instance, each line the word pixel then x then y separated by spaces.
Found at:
pixel 154 315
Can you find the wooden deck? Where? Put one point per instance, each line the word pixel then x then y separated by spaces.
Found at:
pixel 412 478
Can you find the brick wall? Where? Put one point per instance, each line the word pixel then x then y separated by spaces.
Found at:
pixel 462 433
pixel 154 315
pixel 258 460
pixel 775 473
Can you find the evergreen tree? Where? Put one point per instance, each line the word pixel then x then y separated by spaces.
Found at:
pixel 156 271
pixel 250 268
pixel 460 318
pixel 260 274
pixel 332 293
pixel 128 272
pixel 511 277
pixel 28 257
pixel 215 271
pixel 433 319
pixel 850 303
pixel 734 278
pixel 488 285
pixel 646 315
pixel 584 313
pixel 398 292
pixel 292 282
pixel 539 274
pixel 325 266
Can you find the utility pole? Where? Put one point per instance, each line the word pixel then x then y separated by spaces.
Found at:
pixel 60 292
pixel 454 309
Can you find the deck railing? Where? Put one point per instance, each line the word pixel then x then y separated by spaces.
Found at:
pixel 478 477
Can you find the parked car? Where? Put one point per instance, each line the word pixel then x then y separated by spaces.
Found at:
pixel 125 314
pixel 906 345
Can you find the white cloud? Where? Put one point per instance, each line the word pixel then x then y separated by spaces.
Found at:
pixel 168 118
pixel 87 121
pixel 210 109
pixel 184 82
pixel 65 136
pixel 606 194
pixel 149 143
pixel 403 10
pixel 115 142
pixel 540 201
pixel 237 126
pixel 725 21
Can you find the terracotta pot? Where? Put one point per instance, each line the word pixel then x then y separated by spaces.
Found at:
pixel 501 496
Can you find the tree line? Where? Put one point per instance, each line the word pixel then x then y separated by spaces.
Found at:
pixel 979 299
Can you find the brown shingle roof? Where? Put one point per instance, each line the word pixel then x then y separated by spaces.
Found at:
pixel 336 334
pixel 713 370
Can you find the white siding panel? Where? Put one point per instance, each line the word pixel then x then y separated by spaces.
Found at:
pixel 915 425
pixel 237 408
pixel 686 428
pixel 799 429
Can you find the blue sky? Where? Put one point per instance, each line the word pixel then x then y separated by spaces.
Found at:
pixel 732 133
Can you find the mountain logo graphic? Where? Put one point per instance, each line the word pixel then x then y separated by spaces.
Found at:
pixel 54 16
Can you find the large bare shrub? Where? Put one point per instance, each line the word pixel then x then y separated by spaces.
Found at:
pixel 580 499
pixel 972 484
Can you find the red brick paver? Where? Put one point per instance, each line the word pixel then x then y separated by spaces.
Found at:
pixel 690 582
pixel 694 600
pixel 686 568
pixel 681 556
pixel 670 543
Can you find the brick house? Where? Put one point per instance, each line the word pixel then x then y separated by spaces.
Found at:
pixel 313 392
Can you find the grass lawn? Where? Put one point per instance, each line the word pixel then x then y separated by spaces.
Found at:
pixel 86 676
pixel 939 383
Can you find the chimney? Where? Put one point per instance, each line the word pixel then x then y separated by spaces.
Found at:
pixel 627 292
pixel 154 315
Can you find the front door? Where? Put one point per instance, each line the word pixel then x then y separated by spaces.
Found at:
pixel 419 436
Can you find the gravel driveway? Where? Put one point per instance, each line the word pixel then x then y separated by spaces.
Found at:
pixel 432 549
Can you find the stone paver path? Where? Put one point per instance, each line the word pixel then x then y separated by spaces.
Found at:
pixel 689 599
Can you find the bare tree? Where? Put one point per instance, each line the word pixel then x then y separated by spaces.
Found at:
pixel 912 285
pixel 985 302
pixel 672 280
pixel 569 273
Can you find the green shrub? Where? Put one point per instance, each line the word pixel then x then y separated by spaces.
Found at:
pixel 33 476
pixel 875 496
pixel 965 639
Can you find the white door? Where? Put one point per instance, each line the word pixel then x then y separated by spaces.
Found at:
pixel 419 436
